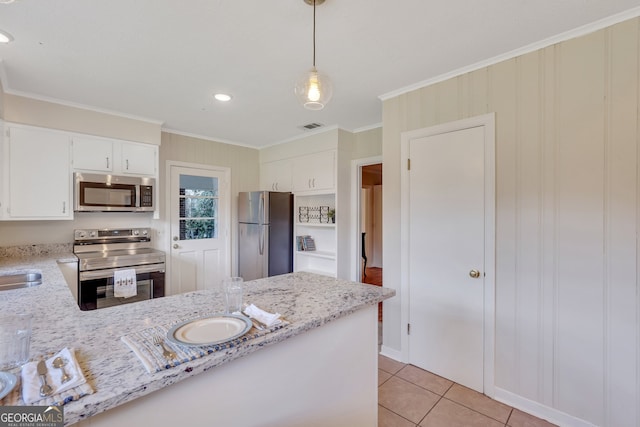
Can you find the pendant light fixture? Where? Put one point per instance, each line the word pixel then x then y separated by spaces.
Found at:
pixel 314 90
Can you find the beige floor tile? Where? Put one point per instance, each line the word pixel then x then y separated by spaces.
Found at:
pixel 389 365
pixel 450 414
pixel 521 419
pixel 406 399
pixel 425 379
pixel 383 376
pixel 386 418
pixel 479 402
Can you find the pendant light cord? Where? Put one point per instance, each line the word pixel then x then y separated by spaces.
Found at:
pixel 314 34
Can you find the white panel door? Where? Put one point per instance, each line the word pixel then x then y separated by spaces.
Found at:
pixel 446 248
pixel 200 253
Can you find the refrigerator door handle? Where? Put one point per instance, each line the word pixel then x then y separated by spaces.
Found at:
pixel 261 242
pixel 261 209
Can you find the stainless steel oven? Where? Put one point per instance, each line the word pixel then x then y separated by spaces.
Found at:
pixel 103 252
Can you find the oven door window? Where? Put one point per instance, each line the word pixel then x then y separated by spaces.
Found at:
pixel 115 195
pixel 98 293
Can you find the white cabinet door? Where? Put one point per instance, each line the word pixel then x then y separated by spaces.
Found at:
pixel 314 172
pixel 139 159
pixel 110 155
pixel 276 176
pixel 92 154
pixel 39 174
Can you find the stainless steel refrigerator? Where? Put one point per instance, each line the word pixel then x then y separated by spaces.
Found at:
pixel 265 230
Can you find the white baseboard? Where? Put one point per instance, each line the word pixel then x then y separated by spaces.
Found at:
pixel 392 354
pixel 539 410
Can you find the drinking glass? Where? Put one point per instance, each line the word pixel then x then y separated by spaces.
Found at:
pixel 15 340
pixel 232 287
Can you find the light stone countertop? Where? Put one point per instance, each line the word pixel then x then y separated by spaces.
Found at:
pixel 306 300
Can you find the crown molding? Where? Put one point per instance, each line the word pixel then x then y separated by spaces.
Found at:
pixel 366 128
pixel 207 138
pixel 73 104
pixel 567 35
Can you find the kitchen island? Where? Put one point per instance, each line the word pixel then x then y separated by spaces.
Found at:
pixel 320 370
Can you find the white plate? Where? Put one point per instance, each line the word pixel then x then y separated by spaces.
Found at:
pixel 209 330
pixel 7 383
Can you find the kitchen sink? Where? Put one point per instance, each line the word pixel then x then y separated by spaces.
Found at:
pixel 19 280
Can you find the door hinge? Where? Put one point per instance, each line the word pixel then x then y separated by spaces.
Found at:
pixel 408 328
pixel 408 164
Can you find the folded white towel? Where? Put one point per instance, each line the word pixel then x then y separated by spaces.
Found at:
pixel 124 283
pixel 269 319
pixel 31 379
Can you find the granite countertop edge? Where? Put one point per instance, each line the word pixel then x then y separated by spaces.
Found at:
pixel 308 300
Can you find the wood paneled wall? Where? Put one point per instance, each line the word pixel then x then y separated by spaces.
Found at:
pixel 567 218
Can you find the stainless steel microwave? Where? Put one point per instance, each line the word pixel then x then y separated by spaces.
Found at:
pixel 112 193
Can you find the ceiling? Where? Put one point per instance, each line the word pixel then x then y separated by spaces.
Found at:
pixel 164 59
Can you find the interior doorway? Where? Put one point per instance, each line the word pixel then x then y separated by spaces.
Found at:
pixel 370 226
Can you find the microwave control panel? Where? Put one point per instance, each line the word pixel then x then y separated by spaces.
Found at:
pixel 146 196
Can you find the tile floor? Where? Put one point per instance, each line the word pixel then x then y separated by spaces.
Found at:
pixel 409 396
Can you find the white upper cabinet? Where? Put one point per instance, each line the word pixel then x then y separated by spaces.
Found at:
pixel 315 172
pixel 114 156
pixel 38 174
pixel 276 176
pixel 139 159
pixel 95 154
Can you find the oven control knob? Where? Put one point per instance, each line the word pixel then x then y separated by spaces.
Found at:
pixel 144 232
pixel 92 234
pixel 82 234
pixel 136 232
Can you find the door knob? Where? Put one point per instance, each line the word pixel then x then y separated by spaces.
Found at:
pixel 175 238
pixel 474 273
pixel 176 246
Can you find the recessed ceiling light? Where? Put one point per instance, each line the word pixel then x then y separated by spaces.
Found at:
pixel 222 97
pixel 5 37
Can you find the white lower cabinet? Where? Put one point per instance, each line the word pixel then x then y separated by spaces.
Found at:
pixel 38 178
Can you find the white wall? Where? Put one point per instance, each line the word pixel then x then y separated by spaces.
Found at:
pixel 367 143
pixel 567 218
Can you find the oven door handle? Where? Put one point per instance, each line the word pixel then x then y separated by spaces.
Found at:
pixel 106 273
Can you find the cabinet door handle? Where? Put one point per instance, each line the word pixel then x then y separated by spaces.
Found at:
pixel 309 183
pixel 314 183
pixel 127 164
pixel 276 186
pixel 64 207
pixel 107 162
